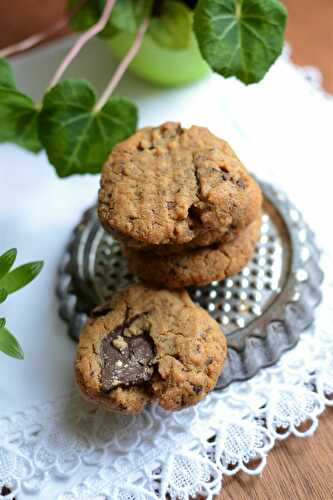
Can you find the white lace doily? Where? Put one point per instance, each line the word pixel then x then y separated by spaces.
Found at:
pixel 67 449
pixel 70 445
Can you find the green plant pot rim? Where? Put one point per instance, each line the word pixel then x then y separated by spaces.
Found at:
pixel 159 65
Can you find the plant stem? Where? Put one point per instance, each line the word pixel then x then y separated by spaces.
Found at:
pixel 94 30
pixel 123 65
pixel 34 40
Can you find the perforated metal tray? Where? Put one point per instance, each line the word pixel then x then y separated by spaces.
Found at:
pixel 262 310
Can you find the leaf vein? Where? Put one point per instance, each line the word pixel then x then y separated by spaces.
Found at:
pixel 256 35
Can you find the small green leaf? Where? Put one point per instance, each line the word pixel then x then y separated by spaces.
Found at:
pixel 88 15
pixel 6 74
pixel 78 139
pixel 2 323
pixel 127 15
pixel 18 114
pixel 21 276
pixel 7 260
pixel 9 344
pixel 173 28
pixel 3 295
pixel 240 38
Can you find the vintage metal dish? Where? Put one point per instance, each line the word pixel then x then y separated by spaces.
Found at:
pixel 262 310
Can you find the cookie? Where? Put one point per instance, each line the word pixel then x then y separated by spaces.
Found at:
pixel 147 345
pixel 197 267
pixel 206 239
pixel 174 186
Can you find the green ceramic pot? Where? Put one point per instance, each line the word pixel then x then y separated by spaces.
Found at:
pixel 159 65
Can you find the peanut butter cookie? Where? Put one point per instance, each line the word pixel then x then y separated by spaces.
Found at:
pixel 196 267
pixel 147 345
pixel 173 186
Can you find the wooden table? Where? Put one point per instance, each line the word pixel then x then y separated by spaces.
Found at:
pixel 297 468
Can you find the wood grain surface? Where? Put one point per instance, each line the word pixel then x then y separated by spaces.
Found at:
pixel 298 469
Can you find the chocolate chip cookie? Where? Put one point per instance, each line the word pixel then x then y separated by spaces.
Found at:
pixel 197 267
pixel 147 345
pixel 173 186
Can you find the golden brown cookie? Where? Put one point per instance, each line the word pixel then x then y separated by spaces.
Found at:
pixel 146 345
pixel 173 186
pixel 197 267
pixel 206 239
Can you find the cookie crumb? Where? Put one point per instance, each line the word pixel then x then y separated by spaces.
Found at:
pixel 119 343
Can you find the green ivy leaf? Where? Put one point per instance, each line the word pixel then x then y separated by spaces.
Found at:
pixel 6 75
pixel 18 114
pixel 7 260
pixel 3 295
pixel 2 323
pixel 173 28
pixel 9 344
pixel 18 119
pixel 88 15
pixel 240 38
pixel 78 139
pixel 21 276
pixel 127 15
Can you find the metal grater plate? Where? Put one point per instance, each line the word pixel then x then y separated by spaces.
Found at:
pixel 262 310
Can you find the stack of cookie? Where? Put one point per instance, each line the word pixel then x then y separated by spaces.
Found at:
pixel 184 207
pixel 186 212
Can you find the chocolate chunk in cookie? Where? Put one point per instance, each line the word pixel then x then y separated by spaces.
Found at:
pixel 126 360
